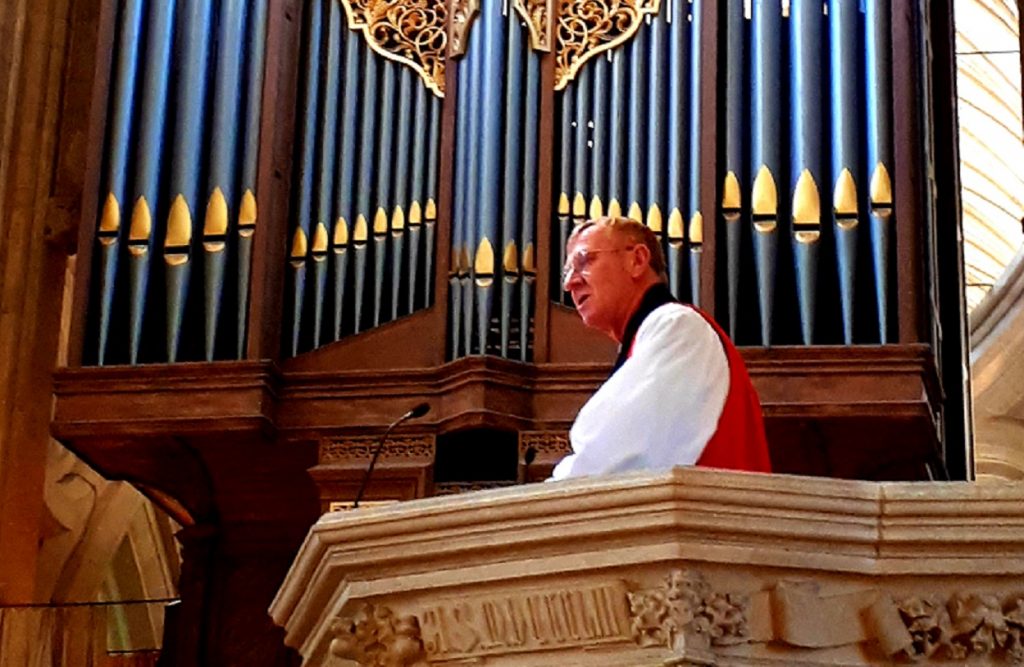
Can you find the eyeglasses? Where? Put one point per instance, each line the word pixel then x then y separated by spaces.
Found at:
pixel 581 261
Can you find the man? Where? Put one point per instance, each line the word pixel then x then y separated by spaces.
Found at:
pixel 679 393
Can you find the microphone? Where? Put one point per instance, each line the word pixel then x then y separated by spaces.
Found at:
pixel 528 457
pixel 415 413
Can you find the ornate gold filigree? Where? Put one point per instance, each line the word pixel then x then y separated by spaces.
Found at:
pixel 537 14
pixel 588 27
pixel 412 32
pixel 463 13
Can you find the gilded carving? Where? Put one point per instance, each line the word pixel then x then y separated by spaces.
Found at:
pixel 463 13
pixel 555 443
pixel 589 27
pixel 537 15
pixel 412 32
pixel 965 626
pixel 376 637
pixel 685 614
pixel 418 447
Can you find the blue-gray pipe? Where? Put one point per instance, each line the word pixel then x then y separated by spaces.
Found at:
pixel 109 235
pixel 149 151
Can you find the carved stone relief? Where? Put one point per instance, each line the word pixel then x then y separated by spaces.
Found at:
pixel 376 637
pixel 413 32
pixel 964 626
pixel 686 614
pixel 689 618
pixel 523 621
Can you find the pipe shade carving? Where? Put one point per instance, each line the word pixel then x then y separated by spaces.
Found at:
pixel 410 32
pixel 589 27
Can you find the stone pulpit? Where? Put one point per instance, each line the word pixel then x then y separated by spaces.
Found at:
pixel 688 567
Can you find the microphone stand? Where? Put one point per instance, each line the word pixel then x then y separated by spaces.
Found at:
pixel 416 412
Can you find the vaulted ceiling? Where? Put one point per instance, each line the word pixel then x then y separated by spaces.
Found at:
pixel 991 139
pixel 992 174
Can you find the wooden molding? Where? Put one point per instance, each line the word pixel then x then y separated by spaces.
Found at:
pixel 846 412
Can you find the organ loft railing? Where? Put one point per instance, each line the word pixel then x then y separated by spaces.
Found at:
pixel 346 186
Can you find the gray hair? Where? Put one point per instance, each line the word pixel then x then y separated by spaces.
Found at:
pixel 636 232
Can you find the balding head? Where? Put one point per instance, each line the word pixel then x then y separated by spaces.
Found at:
pixel 632 232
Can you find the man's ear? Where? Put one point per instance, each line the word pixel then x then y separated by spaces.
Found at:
pixel 640 260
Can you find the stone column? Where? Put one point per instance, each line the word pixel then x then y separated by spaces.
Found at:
pixel 36 217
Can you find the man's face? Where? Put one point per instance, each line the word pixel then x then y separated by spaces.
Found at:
pixel 601 277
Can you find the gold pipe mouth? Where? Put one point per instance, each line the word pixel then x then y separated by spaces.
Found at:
pixel 176 255
pixel 675 226
pixel 359 233
pixel 483 264
pixel 563 204
pixel 765 225
pixel 764 199
pixel 107 237
pixel 654 221
pixel 299 244
pixel 806 200
pixel 881 186
pixel 247 210
pixel 731 196
pixel 846 222
pixel 579 206
pixel 529 260
pixel 806 232
pixel 697 228
pixel 380 223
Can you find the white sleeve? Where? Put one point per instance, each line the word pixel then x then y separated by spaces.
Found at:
pixel 661 407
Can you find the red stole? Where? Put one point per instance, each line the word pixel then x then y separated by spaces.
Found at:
pixel 738 442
